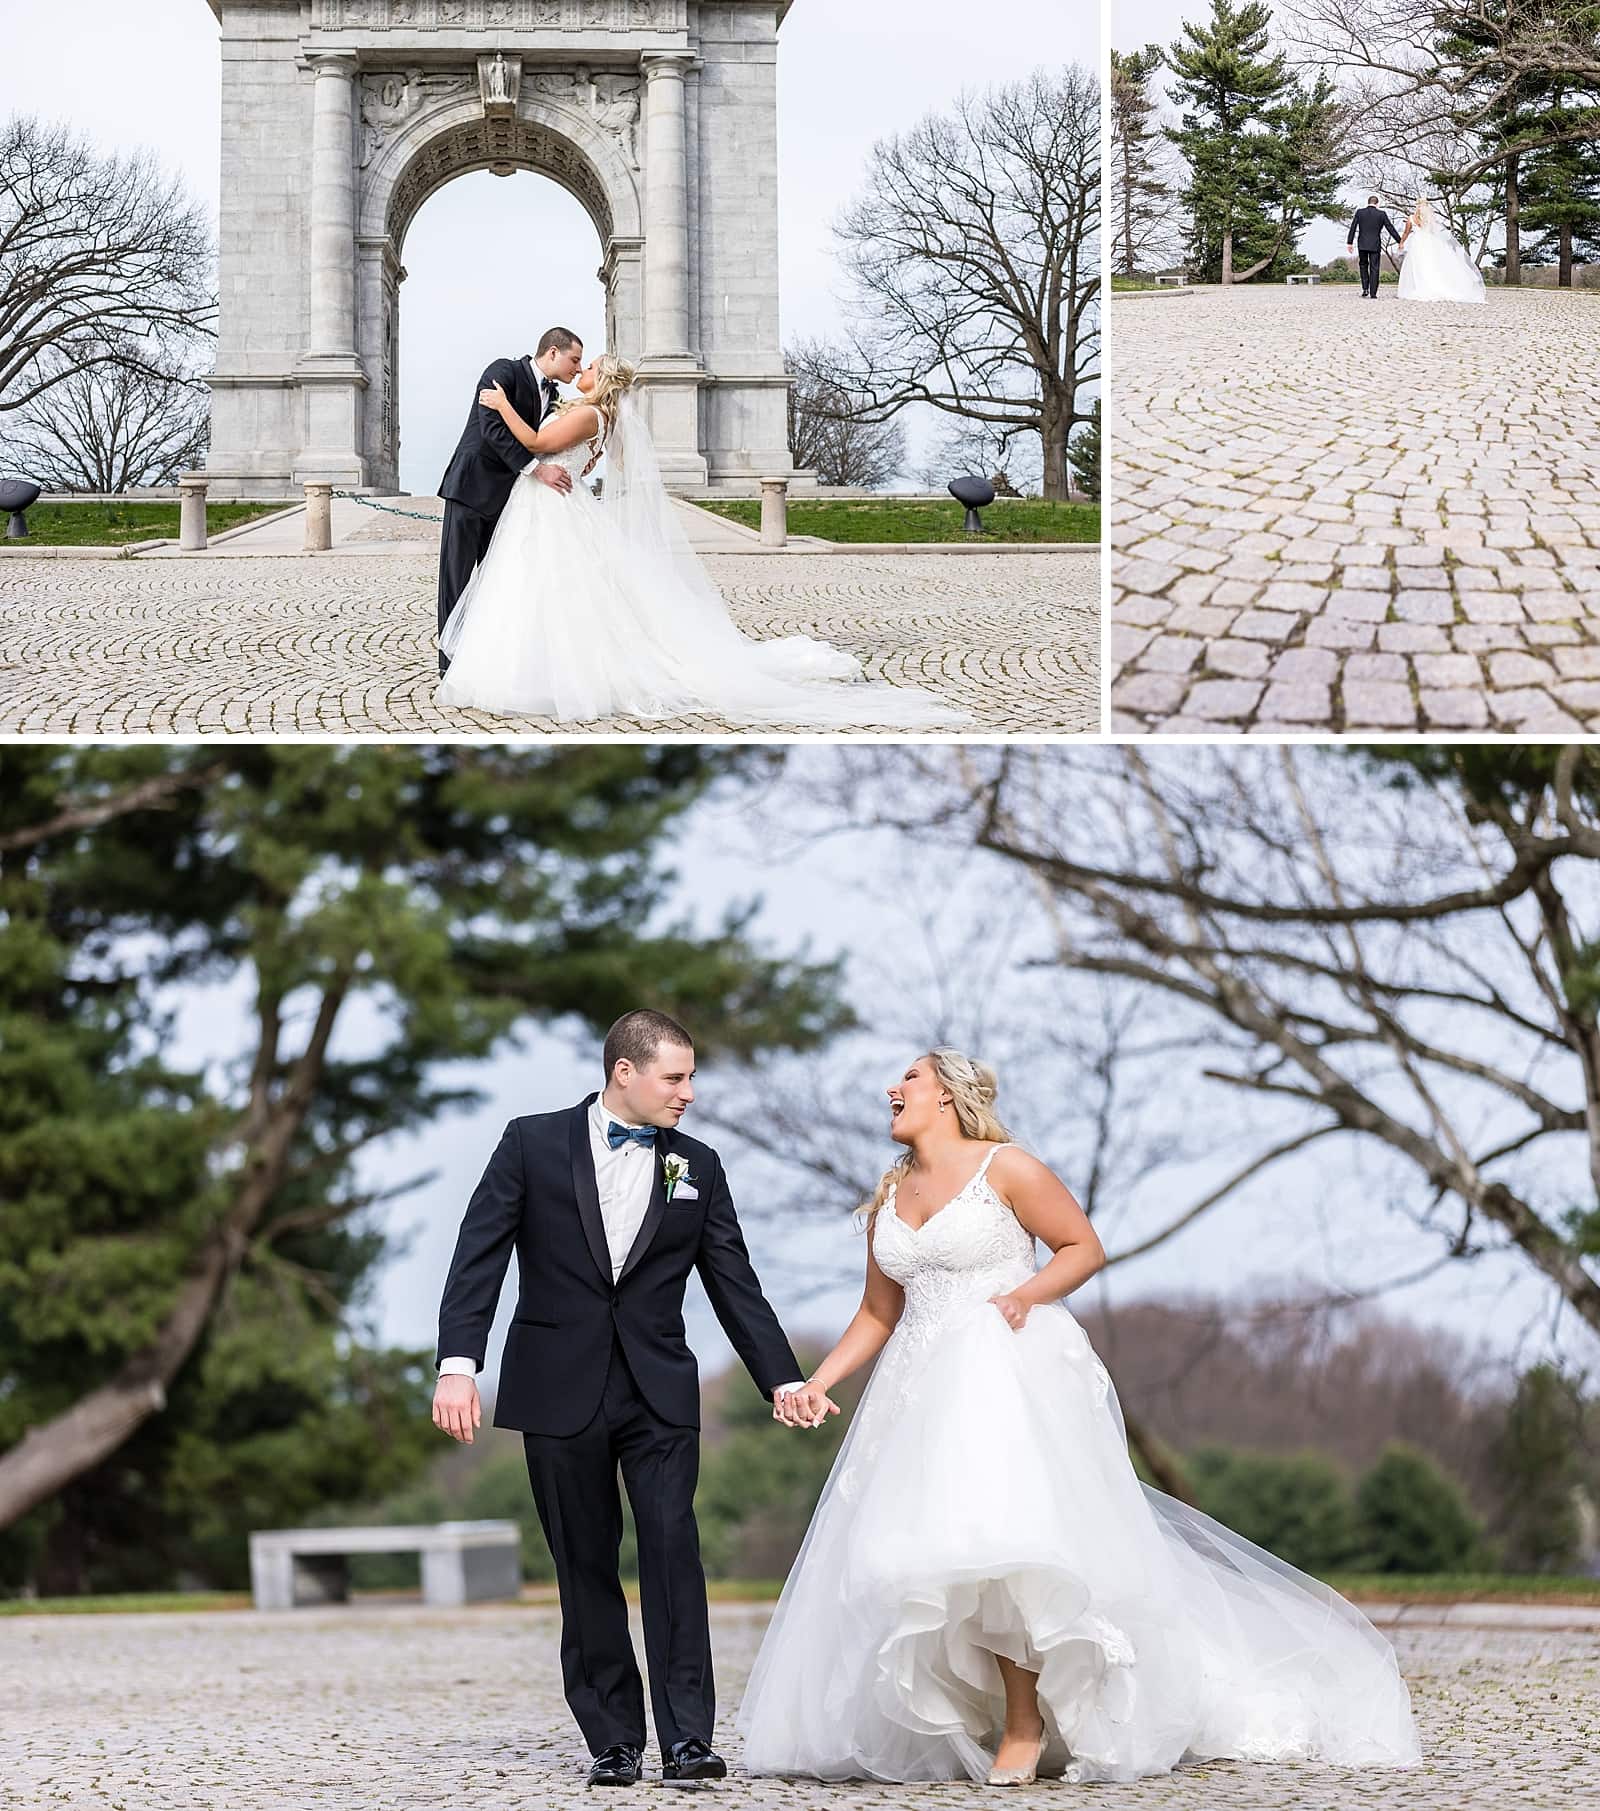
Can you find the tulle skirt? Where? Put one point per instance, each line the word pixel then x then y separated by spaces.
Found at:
pixel 565 619
pixel 1436 269
pixel 983 1503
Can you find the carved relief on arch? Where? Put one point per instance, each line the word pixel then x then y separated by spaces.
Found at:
pixel 500 15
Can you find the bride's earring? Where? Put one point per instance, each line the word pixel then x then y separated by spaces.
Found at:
pixel 942 1105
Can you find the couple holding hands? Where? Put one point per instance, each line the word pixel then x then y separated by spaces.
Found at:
pixel 986 1590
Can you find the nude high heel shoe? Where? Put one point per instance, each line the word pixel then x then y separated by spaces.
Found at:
pixel 1019 1776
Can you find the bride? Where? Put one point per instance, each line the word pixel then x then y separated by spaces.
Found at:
pixel 1435 268
pixel 986 1589
pixel 583 610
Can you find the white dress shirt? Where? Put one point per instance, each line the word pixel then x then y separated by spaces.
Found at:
pixel 625 1178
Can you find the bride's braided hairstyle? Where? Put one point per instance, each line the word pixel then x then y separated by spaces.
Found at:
pixel 972 1087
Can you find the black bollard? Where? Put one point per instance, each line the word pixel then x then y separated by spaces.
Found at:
pixel 16 497
pixel 976 494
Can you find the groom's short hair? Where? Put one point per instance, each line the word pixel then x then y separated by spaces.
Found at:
pixel 638 1036
pixel 558 339
pixel 1372 201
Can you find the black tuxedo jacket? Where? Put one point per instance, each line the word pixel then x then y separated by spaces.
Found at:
pixel 539 1195
pixel 488 457
pixel 1368 227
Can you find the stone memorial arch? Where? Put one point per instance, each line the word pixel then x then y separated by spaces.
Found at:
pixel 341 117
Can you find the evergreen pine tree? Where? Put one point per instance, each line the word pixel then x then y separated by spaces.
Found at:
pixel 1139 193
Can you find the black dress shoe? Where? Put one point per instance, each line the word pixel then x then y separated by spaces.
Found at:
pixel 690 1761
pixel 618 1765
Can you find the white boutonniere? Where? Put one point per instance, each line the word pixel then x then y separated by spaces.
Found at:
pixel 675 1169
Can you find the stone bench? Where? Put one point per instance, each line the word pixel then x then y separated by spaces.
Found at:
pixel 462 1562
pixel 1165 282
pixel 1304 276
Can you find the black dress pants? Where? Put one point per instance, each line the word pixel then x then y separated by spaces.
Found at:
pixel 575 1487
pixel 1371 266
pixel 462 545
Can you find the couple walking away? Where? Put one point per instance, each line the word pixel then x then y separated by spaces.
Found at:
pixel 1435 269
pixel 555 604
pixel 986 1590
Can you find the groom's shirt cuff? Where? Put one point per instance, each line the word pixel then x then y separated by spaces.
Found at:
pixel 783 1389
pixel 458 1367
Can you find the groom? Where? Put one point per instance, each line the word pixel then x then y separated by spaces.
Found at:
pixel 489 458
pixel 1367 227
pixel 609 1207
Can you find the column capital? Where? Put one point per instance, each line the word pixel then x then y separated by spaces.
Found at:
pixel 333 62
pixel 669 63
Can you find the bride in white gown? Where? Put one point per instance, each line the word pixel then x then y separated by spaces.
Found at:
pixel 1434 267
pixel 986 1588
pixel 583 610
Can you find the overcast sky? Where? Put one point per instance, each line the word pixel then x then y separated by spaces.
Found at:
pixel 492 260
pixel 863 894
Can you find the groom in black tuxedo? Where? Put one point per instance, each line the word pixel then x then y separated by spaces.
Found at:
pixel 1367 227
pixel 608 1207
pixel 489 459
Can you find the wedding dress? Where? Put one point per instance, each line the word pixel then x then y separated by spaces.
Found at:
pixel 1435 268
pixel 585 609
pixel 983 1503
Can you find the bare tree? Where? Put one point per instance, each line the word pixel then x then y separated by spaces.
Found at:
pixel 1405 83
pixel 103 260
pixel 974 256
pixel 1398 961
pixel 825 433
pixel 112 427
pixel 969 447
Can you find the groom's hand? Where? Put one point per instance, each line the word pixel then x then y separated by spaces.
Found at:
pixel 456 1408
pixel 556 476
pixel 808 1406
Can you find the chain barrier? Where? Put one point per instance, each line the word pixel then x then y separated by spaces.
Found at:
pixel 416 515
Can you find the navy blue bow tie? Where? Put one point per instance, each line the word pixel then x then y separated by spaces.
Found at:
pixel 617 1136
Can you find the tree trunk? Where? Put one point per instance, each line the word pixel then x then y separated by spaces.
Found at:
pixel 50 1456
pixel 1513 230
pixel 1054 415
pixel 1227 256
pixel 1158 1459
pixel 1566 257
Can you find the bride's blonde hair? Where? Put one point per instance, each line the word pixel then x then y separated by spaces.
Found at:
pixel 613 378
pixel 972 1087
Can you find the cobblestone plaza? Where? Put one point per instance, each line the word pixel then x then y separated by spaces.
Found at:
pixel 343 645
pixel 1327 517
pixel 401 1708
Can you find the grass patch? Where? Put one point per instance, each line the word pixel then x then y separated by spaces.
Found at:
pixel 1428 1587
pixel 117 524
pixel 895 519
pixel 1135 283
pixel 1467 1587
pixel 125 1603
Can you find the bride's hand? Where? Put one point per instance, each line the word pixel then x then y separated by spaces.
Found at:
pixel 809 1406
pixel 494 398
pixel 1014 1309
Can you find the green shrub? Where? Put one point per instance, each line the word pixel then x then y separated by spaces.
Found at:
pixel 1414 1518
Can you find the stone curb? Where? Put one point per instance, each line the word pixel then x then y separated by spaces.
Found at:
pixel 1569 1617
pixel 1172 289
pixel 889 547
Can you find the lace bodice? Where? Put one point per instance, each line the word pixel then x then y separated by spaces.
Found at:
pixel 972 1248
pixel 577 459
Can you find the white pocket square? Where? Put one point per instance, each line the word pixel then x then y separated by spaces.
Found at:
pixel 686 1191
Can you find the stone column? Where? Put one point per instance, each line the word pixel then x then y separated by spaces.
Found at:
pixel 333 208
pixel 319 517
pixel 671 372
pixel 331 377
pixel 666 207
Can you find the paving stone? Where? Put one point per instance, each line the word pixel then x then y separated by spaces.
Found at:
pixel 340 1710
pixel 343 645
pixel 1447 525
